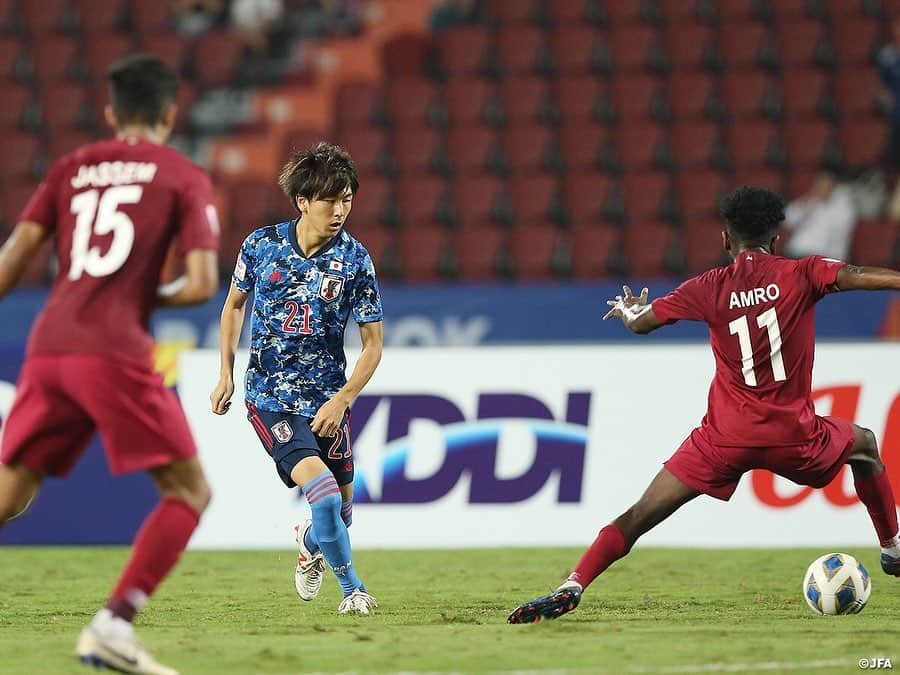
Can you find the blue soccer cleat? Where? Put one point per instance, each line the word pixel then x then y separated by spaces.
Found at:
pixel 563 600
pixel 890 565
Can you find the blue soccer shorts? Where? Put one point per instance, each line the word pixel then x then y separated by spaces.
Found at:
pixel 288 439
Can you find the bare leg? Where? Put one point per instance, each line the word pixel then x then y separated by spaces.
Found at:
pixel 19 486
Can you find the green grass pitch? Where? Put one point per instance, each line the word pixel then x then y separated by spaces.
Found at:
pixel 659 610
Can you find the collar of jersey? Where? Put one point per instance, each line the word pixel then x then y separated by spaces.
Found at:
pixel 292 237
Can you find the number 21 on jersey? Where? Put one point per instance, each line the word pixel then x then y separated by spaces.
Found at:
pixel 741 328
pixel 96 214
pixel 298 318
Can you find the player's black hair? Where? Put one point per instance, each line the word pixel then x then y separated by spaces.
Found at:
pixel 753 215
pixel 323 171
pixel 143 87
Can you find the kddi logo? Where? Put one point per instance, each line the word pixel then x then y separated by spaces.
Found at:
pixel 417 448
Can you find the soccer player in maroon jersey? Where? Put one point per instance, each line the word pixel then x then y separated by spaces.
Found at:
pixel 761 415
pixel 114 208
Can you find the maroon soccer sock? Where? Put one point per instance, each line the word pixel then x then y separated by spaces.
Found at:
pixel 609 546
pixel 157 547
pixel 878 497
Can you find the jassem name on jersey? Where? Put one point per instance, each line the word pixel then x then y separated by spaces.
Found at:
pixel 113 173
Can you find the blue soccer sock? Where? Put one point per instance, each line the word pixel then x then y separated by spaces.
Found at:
pixel 324 497
pixel 347 512
pixel 310 540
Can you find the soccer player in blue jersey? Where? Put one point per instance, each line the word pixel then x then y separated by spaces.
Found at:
pixel 308 275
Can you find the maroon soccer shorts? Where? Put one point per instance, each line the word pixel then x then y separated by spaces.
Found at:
pixel 61 400
pixel 716 470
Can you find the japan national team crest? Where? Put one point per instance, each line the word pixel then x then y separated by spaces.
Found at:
pixel 283 431
pixel 331 287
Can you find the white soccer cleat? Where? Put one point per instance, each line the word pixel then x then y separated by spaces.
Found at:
pixel 358 602
pixel 310 566
pixel 127 655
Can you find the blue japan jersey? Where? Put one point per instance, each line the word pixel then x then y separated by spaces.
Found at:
pixel 300 309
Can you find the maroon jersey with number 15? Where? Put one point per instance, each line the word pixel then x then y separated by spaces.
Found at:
pixel 115 208
pixel 760 312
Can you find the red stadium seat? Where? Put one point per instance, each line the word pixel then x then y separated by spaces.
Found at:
pixel 799 182
pixel 412 101
pixel 405 55
pixel 44 17
pixel 417 149
pixel 803 92
pixel 691 47
pixel 64 105
pixel 619 12
pixel 693 96
pixel 793 10
pixel 20 155
pixel 575 49
pixel 535 198
pixel 13 198
pixel 378 240
pixel 533 250
pixel 758 178
pixel 462 51
pixel 808 143
pixel 750 94
pixel 372 205
pixel 301 138
pixel 422 200
pixel 521 12
pixel 479 198
pixel 11 56
pixel 474 148
pixel 252 210
pixel 423 251
pixel 168 46
pixel 875 243
pixel 55 57
pixel 16 99
pixel 753 145
pixel 648 197
pixel 529 147
pixel 368 148
pixel 100 16
pixel 527 99
pixel 522 50
pixel 471 100
pixel 636 48
pixel 862 141
pixel 573 11
pixel 642 146
pixel 593 246
pixel 581 145
pixel 638 97
pixel 803 43
pixel 647 247
pixel 358 105
pixel 855 40
pixel 731 11
pixel 578 98
pixel 679 13
pixel 149 17
pixel 216 57
pixel 699 193
pixel 746 45
pixel 100 51
pixel 479 250
pixel 697 145
pixel 588 196
pixel 856 92
pixel 702 246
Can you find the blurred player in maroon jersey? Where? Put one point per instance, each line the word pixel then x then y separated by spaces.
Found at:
pixel 761 415
pixel 114 208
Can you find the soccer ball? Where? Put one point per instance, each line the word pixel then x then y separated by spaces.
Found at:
pixel 836 583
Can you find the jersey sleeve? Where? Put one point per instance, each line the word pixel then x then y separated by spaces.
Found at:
pixel 243 276
pixel 41 208
pixel 822 273
pixel 365 298
pixel 685 303
pixel 197 217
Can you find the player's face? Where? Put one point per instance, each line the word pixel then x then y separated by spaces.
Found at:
pixel 326 217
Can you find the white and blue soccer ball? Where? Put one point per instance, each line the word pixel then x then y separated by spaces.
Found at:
pixel 836 583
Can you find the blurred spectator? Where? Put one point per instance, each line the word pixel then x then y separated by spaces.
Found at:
pixel 821 222
pixel 889 72
pixel 195 17
pixel 451 13
pixel 254 19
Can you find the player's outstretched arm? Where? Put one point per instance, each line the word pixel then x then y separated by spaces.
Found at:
pixel 199 284
pixel 635 312
pixel 329 417
pixel 229 335
pixel 855 278
pixel 17 252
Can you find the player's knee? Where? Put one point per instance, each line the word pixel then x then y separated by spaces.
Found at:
pixel 866 446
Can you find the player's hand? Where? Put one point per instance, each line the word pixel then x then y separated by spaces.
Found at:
pixel 221 396
pixel 329 418
pixel 625 301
